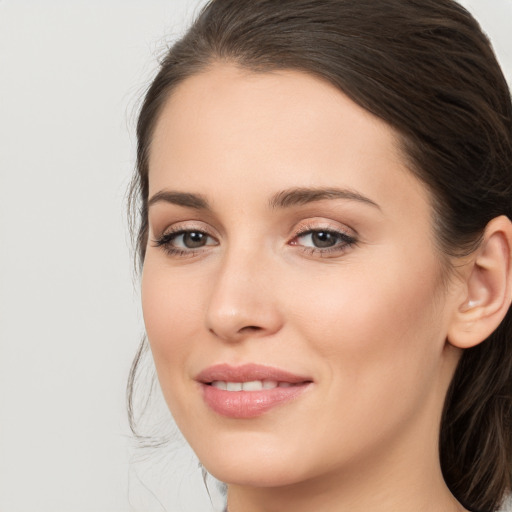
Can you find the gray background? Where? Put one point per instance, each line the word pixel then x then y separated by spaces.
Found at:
pixel 71 75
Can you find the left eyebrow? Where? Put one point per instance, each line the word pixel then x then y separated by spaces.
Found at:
pixel 301 196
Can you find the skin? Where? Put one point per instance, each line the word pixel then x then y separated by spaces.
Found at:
pixel 367 322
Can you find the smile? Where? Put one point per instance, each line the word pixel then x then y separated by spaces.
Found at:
pixel 248 391
pixel 253 385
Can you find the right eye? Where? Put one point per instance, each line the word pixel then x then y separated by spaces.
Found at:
pixel 185 241
pixel 190 239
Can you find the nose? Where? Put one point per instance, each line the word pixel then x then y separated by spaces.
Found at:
pixel 243 301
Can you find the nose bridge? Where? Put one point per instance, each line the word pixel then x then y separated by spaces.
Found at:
pixel 242 302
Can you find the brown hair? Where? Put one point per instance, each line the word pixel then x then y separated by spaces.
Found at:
pixel 426 68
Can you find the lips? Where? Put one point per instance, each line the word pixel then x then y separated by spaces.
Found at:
pixel 249 390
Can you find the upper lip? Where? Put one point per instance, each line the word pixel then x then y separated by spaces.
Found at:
pixel 246 373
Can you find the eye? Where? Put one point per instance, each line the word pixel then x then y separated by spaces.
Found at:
pixel 190 239
pixel 323 240
pixel 320 239
pixel 185 241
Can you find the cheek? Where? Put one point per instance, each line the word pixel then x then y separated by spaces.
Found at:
pixel 173 321
pixel 379 348
pixel 172 316
pixel 379 325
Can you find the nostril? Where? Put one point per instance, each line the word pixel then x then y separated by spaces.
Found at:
pixel 250 328
pixel 239 334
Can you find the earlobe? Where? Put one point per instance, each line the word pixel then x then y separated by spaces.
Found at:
pixel 488 285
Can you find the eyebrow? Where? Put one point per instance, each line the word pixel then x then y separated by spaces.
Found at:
pixel 301 196
pixel 187 200
pixel 284 199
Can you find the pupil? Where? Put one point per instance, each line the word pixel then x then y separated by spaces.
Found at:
pixel 323 239
pixel 194 239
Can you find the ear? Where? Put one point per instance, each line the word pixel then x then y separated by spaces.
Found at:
pixel 487 287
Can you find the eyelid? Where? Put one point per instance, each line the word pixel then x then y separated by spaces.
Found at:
pixel 319 224
pixel 346 237
pixel 169 234
pixel 185 226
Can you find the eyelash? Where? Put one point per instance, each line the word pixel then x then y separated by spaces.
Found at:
pixel 344 240
pixel 165 242
pixel 343 243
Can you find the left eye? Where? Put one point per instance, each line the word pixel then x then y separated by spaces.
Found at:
pixel 323 239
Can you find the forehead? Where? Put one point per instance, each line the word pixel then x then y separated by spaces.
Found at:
pixel 269 131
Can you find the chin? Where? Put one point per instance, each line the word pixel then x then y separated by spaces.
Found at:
pixel 255 466
pixel 262 474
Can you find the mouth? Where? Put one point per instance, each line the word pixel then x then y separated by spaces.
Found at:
pixel 252 385
pixel 248 391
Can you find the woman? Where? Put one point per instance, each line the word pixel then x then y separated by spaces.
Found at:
pixel 325 194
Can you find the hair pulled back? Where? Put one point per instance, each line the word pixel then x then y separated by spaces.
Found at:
pixel 426 68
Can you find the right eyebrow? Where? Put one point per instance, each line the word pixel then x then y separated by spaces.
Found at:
pixel 195 201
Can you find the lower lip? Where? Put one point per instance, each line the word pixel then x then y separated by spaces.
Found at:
pixel 249 404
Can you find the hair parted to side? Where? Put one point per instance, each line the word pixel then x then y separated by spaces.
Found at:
pixel 426 68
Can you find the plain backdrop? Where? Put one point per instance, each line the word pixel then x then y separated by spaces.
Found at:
pixel 71 76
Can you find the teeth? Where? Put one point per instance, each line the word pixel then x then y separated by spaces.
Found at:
pixel 234 386
pixel 254 385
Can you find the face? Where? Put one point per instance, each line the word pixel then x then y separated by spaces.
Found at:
pixel 292 292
